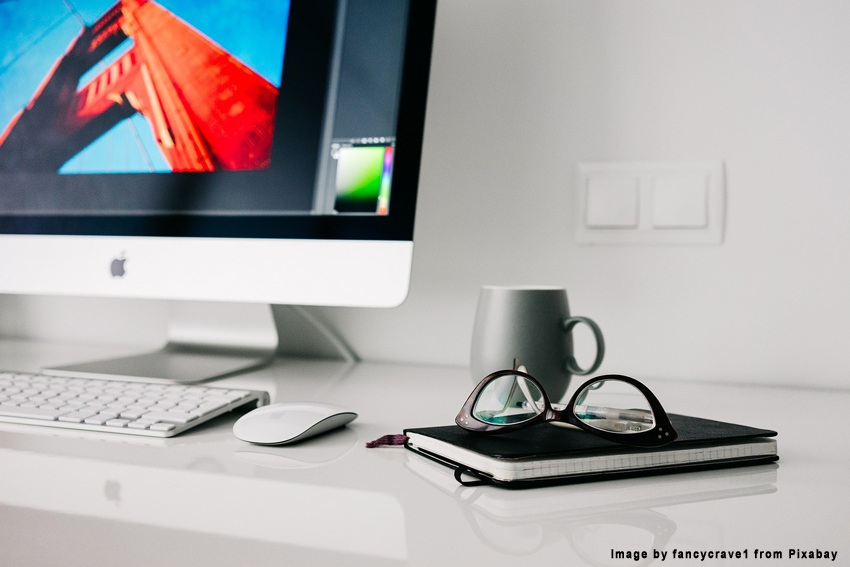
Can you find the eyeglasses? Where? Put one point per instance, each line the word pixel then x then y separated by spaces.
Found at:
pixel 614 407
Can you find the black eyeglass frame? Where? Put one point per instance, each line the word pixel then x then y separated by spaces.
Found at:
pixel 662 433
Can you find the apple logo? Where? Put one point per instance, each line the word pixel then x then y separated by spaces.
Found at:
pixel 117 267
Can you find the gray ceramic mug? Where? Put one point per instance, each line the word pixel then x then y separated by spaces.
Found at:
pixel 532 324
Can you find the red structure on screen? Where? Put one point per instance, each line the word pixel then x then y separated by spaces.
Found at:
pixel 206 109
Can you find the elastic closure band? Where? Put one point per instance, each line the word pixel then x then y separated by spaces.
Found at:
pixel 460 471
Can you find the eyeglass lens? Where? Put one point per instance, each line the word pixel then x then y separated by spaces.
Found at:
pixel 507 400
pixel 614 406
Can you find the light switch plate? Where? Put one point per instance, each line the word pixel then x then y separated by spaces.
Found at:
pixel 651 203
pixel 612 201
pixel 680 200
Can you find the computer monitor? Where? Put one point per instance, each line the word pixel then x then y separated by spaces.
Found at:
pixel 263 152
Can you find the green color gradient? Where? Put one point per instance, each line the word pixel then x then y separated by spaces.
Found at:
pixel 358 177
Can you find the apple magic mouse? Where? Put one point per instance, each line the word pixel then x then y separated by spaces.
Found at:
pixel 279 424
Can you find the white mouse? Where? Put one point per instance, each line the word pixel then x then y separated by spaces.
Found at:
pixel 279 424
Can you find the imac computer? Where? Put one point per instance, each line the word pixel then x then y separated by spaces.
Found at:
pixel 222 155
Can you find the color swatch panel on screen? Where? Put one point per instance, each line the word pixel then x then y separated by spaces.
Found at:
pixel 363 177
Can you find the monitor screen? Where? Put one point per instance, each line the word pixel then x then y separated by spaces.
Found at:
pixel 219 150
pixel 267 119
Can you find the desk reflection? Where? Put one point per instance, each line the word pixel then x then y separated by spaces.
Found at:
pixel 593 516
pixel 94 498
pixel 318 452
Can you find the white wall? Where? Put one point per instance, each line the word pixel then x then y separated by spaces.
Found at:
pixel 522 90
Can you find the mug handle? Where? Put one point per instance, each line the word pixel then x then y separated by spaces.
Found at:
pixel 571 364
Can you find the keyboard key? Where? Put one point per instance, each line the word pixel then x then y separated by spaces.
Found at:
pixel 162 427
pixel 171 416
pixel 117 422
pixel 32 413
pixel 76 417
pixel 132 414
pixel 98 419
pixel 209 407
pixel 215 400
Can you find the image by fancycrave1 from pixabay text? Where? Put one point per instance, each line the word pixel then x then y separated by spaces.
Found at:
pixel 744 554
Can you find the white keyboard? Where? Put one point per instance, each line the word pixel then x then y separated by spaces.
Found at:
pixel 115 406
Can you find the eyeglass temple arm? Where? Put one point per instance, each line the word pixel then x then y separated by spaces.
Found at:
pixel 527 393
pixel 539 406
pixel 523 385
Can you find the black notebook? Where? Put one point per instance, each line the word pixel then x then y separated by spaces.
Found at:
pixel 550 454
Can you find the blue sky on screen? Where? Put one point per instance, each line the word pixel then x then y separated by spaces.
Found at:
pixel 35 33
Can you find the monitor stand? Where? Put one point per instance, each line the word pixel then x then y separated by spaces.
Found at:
pixel 205 341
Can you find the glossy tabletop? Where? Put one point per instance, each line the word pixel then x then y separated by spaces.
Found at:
pixel 205 498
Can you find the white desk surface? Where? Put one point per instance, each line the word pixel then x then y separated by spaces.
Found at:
pixel 205 499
